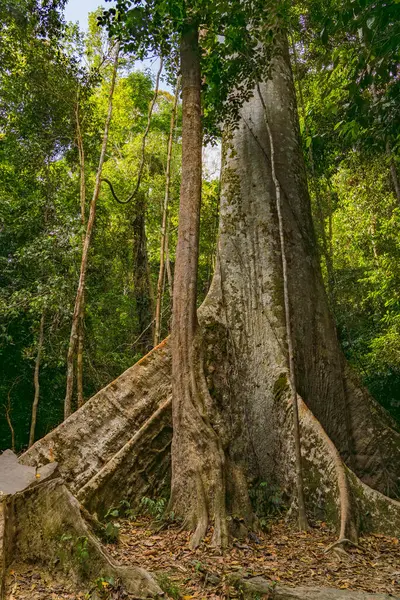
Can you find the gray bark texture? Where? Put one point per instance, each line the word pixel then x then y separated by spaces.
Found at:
pixel 246 304
pixel 104 434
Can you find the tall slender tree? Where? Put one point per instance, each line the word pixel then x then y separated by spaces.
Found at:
pixel 85 251
pixel 164 222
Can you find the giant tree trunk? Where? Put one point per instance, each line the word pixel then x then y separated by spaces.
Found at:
pixel 246 302
pixel 236 431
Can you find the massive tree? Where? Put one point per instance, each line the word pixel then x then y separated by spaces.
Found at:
pixel 231 394
pixel 244 312
pixel 242 426
pixel 240 416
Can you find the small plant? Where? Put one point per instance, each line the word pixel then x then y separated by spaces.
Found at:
pixel 123 510
pixel 102 588
pixel 198 566
pixel 153 508
pixel 81 549
pixel 76 548
pixel 168 586
pixel 111 529
pixel 111 532
pixel 268 502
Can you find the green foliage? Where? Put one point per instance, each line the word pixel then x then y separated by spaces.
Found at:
pixel 237 41
pixel 112 528
pixel 347 66
pixel 267 501
pixel 153 508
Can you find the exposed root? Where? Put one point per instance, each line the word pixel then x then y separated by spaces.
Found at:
pixel 335 470
pixel 357 505
pixel 341 542
pixel 138 469
pixel 91 436
pixel 198 458
pixel 201 515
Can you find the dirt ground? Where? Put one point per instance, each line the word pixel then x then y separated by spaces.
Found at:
pixel 280 555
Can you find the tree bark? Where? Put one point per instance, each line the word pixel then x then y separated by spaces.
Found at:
pixel 198 482
pixel 164 224
pixel 7 410
pixel 302 517
pixel 36 380
pixel 247 301
pixel 82 194
pixel 85 252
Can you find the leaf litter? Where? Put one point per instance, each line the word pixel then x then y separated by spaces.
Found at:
pixel 281 555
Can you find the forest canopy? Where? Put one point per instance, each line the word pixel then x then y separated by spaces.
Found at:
pixel 345 59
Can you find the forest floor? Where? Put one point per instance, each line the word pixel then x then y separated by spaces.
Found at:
pixel 280 555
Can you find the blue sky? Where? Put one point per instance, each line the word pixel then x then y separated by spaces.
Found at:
pixel 78 10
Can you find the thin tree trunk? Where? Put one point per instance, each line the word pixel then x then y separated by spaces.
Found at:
pixel 9 423
pixel 393 172
pixel 85 252
pixel 7 409
pixel 142 282
pixel 79 356
pixel 160 282
pixel 81 333
pixel 302 517
pixel 36 381
pixel 168 268
pixel 198 487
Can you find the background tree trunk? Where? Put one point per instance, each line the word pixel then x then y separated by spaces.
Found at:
pixel 36 380
pixel 141 275
pixel 393 172
pixel 164 224
pixel 85 251
pixel 81 330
